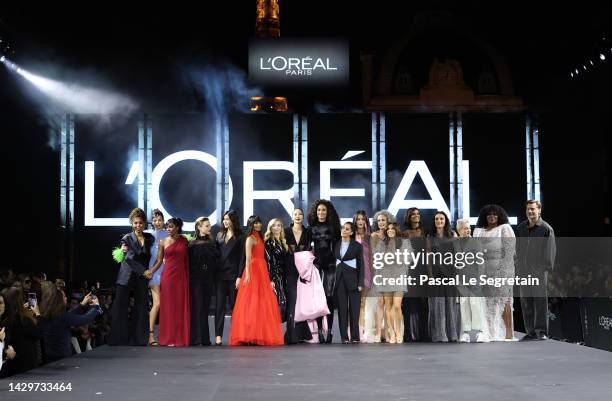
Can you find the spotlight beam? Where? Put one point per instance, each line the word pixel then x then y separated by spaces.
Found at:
pixel 75 98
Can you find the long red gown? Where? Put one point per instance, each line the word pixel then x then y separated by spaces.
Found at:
pixel 256 316
pixel 175 302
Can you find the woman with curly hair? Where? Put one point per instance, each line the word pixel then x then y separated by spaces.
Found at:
pixel 498 238
pixel 175 298
pixel 136 248
pixel 324 225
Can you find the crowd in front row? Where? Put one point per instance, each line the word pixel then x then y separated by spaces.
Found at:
pixel 302 274
pixel 39 324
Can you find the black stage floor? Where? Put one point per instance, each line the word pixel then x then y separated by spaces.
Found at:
pixel 548 370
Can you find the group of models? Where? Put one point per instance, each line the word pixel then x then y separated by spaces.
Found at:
pixel 301 274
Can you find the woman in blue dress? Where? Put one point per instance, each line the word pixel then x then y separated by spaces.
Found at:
pixel 159 232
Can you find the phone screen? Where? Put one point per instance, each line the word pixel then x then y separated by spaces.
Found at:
pixel 32 301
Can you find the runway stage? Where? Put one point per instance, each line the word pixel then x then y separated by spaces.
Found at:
pixel 540 371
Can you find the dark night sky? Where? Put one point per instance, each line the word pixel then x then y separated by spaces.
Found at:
pixel 142 51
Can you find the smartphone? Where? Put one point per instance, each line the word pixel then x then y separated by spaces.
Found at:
pixel 32 301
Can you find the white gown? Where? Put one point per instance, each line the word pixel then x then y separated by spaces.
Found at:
pixel 500 244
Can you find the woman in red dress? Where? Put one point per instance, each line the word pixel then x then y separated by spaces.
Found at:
pixel 174 312
pixel 256 316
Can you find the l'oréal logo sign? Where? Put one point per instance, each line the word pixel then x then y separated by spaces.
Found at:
pixel 296 66
pixel 605 322
pixel 298 62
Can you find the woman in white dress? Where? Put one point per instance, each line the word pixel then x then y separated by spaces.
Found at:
pixel 499 241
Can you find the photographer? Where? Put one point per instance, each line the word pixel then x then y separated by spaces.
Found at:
pixel 56 321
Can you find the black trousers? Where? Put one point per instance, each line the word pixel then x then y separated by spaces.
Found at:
pixel 348 302
pixel 331 305
pixel 201 291
pixel 225 288
pixel 296 331
pixel 415 312
pixel 534 304
pixel 124 331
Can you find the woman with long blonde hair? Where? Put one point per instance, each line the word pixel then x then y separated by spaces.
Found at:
pixel 276 250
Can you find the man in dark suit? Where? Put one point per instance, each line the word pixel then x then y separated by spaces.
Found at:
pixel 349 282
pixel 535 255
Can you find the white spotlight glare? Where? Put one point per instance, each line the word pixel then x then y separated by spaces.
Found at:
pixel 602 57
pixel 576 71
pixel 2 59
pixel 572 74
pixel 591 61
pixel 584 66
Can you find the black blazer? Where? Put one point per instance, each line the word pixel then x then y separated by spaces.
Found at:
pixel 231 257
pixel 294 246
pixel 352 277
pixel 137 257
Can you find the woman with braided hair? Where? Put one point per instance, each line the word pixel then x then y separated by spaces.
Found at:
pixel 175 298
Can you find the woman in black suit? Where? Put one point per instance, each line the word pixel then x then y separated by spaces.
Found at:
pixel 227 280
pixel 349 282
pixel 137 249
pixel 298 240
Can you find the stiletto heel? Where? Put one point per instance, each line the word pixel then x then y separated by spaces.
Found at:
pixel 152 343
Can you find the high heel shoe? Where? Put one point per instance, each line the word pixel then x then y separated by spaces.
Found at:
pixel 152 343
pixel 321 337
pixel 391 337
pixel 399 338
pixel 218 342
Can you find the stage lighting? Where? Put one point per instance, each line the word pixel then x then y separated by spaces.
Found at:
pixel 572 74
pixel 584 67
pixel 576 71
pixel 74 97
pixel 602 57
pixel 591 61
pixel 2 59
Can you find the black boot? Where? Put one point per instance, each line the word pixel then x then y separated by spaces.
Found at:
pixel 329 338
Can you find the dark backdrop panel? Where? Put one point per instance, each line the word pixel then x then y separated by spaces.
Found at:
pixel 573 157
pixel 417 137
pixel 261 137
pixel 495 146
pixel 110 141
pixel 330 137
pixel 188 189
